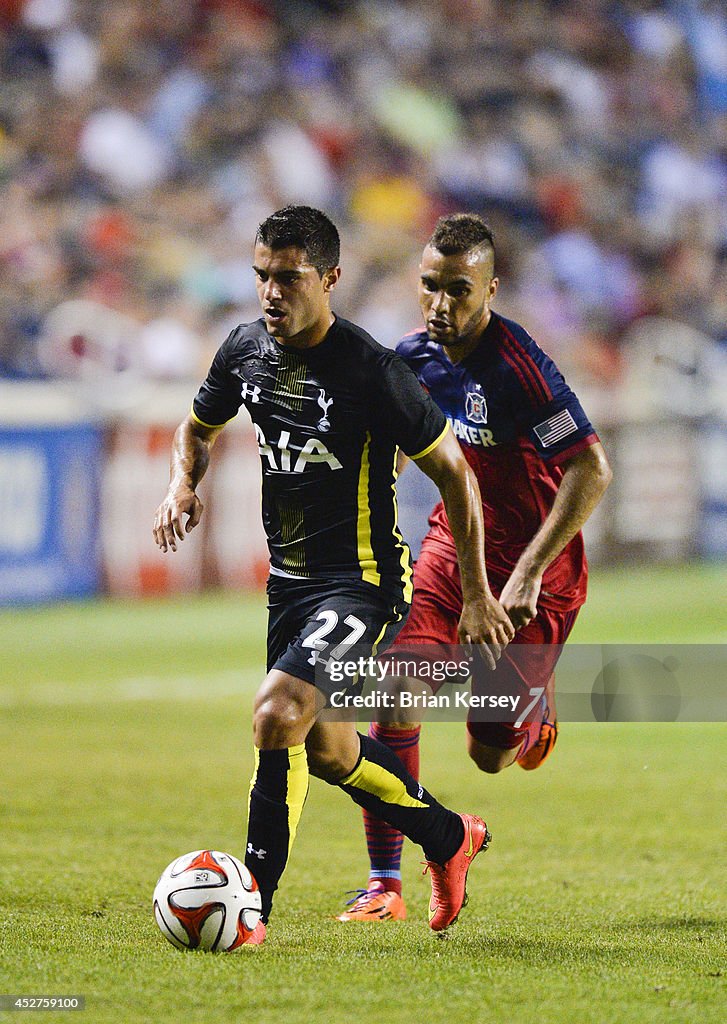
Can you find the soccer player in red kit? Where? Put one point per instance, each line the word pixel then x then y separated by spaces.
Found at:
pixel 541 471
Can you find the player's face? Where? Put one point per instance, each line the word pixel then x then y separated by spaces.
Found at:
pixel 295 299
pixel 455 293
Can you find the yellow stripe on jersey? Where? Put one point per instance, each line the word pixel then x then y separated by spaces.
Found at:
pixel 375 779
pixel 210 426
pixel 369 566
pixel 405 559
pixel 432 446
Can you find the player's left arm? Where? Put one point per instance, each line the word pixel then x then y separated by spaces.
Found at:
pixel 586 476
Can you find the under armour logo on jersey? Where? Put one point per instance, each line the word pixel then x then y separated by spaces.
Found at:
pixel 476 406
pixel 251 391
pixel 324 423
pixel 260 854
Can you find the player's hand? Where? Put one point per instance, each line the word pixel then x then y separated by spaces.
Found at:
pixel 168 527
pixel 485 622
pixel 519 598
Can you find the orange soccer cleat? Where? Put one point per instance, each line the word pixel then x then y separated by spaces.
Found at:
pixel 375 904
pixel 449 881
pixel 542 748
pixel 532 757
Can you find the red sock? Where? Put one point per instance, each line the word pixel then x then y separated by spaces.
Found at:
pixel 384 842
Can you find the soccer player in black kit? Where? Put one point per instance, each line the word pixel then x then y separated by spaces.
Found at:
pixel 331 408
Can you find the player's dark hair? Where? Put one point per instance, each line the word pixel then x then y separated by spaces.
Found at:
pixel 462 232
pixel 305 228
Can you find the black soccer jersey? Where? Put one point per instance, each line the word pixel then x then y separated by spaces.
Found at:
pixel 328 421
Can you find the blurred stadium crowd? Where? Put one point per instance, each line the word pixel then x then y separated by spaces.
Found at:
pixel 142 141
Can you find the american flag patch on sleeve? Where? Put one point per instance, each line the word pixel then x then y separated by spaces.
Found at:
pixel 552 430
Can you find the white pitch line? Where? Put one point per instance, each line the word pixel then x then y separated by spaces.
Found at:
pixel 134 689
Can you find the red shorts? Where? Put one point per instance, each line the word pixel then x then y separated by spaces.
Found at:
pixel 527 662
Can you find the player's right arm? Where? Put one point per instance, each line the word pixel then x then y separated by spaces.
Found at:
pixel 217 401
pixel 190 458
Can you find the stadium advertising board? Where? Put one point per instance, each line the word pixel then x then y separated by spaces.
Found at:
pixel 49 497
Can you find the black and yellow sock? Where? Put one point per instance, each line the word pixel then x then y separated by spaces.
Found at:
pixel 381 784
pixel 278 789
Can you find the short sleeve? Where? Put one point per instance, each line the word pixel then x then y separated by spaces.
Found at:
pixel 219 397
pixel 415 423
pixel 546 408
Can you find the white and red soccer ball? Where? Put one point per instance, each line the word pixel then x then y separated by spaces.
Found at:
pixel 207 900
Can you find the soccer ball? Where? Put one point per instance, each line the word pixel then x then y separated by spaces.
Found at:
pixel 207 900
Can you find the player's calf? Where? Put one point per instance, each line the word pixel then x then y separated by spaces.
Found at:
pixel 333 750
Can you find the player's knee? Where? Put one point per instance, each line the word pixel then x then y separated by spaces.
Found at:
pixel 404 699
pixel 489 759
pixel 281 717
pixel 492 762
pixel 267 724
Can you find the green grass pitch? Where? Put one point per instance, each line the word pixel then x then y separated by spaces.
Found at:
pixel 126 741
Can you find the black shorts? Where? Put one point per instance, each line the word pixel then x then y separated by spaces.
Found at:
pixel 309 619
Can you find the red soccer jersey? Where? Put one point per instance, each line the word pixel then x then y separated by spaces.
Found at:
pixel 517 421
